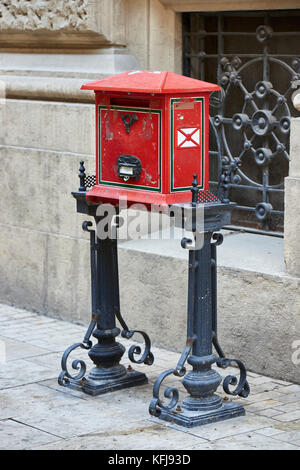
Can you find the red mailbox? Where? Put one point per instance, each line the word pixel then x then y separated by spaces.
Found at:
pixel 152 136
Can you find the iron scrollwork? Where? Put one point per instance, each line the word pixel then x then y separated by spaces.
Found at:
pixel 146 357
pixel 171 393
pixel 65 376
pixel 242 388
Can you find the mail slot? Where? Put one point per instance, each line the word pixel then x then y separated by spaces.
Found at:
pixel 151 137
pixel 129 166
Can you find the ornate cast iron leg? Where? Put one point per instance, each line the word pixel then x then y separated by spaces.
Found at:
pixel 108 374
pixel 202 405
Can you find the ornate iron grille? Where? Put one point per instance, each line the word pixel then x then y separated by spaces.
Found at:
pixel 253 56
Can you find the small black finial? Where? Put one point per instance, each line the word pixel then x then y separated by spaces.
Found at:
pixel 194 189
pixel 82 176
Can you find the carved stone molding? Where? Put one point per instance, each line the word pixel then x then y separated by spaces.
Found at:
pixel 62 23
pixel 51 15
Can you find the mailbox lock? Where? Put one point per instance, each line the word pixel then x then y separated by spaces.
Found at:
pixel 129 166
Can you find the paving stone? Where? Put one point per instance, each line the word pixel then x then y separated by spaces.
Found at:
pixel 259 380
pixel 269 413
pixel 53 385
pixel 83 418
pixel 290 397
pixel 134 436
pixel 53 360
pixel 164 361
pixel 291 416
pixel 20 372
pixel 282 382
pixel 252 374
pixel 286 407
pixel 17 436
pixel 53 346
pixel 270 395
pixel 291 436
pixel 291 388
pixel 134 400
pixel 287 426
pixel 269 431
pixel 38 399
pixel 39 413
pixel 19 349
pixel 263 405
pixel 10 318
pixel 267 387
pixel 240 400
pixel 228 427
pixel 252 441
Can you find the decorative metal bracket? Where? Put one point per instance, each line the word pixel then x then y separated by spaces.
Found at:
pixel 65 376
pixel 171 393
pixel 147 356
pixel 242 387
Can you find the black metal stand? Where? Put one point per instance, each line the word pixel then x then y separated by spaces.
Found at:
pixel 108 374
pixel 202 405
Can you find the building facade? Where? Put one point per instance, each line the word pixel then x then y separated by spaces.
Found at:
pixel 48 48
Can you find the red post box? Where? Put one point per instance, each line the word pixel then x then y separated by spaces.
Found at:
pixel 152 136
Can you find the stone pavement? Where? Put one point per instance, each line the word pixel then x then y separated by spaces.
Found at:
pixel 37 413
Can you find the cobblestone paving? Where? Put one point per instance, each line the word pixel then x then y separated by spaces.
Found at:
pixel 37 413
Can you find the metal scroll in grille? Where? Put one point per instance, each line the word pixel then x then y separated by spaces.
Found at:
pixel 254 57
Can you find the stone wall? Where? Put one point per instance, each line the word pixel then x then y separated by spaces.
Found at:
pixel 292 204
pixel 47 50
pixel 258 313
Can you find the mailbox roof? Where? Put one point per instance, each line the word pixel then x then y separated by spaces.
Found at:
pixel 137 81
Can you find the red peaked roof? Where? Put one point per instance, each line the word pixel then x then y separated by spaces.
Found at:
pixel 150 82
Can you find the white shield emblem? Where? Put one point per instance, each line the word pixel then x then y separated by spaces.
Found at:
pixel 188 137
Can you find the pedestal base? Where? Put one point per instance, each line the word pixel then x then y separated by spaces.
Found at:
pixel 99 387
pixel 189 419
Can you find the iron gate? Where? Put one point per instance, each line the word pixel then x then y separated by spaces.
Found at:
pixel 253 57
